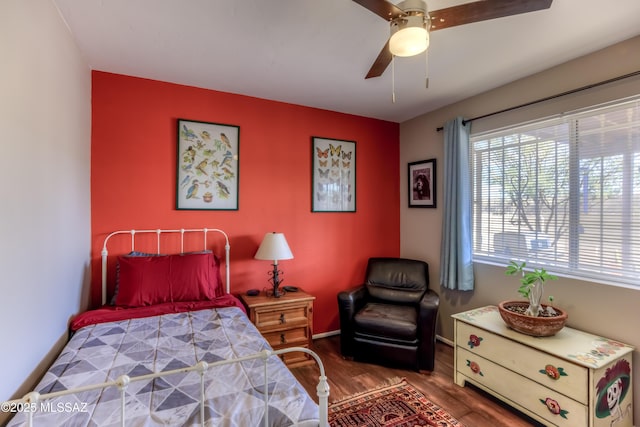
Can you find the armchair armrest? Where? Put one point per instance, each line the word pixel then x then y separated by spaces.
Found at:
pixel 349 302
pixel 428 317
pixel 430 301
pixel 352 300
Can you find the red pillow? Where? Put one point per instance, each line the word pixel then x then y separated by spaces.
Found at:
pixel 169 278
pixel 193 277
pixel 214 273
pixel 216 283
pixel 143 281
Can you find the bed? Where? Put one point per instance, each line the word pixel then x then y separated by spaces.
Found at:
pixel 172 346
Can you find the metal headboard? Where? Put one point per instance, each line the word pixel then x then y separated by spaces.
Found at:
pixel 158 233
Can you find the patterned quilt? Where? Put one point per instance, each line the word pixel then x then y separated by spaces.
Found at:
pixel 234 392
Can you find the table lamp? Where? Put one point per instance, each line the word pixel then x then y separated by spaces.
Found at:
pixel 274 247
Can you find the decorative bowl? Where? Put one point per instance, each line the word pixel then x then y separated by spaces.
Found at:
pixel 540 326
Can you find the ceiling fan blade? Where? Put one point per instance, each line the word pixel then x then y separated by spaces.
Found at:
pixel 381 63
pixel 482 11
pixel 382 8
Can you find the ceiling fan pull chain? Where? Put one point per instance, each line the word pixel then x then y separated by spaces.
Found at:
pixel 426 69
pixel 393 79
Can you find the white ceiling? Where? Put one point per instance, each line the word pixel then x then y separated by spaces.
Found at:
pixel 317 52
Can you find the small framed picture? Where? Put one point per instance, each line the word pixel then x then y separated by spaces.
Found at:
pixel 422 184
pixel 333 183
pixel 208 167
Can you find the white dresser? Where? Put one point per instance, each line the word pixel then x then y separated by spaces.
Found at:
pixel 570 379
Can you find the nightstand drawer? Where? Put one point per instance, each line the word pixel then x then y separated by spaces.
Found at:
pixel 297 358
pixel 290 337
pixel 268 318
pixel 558 374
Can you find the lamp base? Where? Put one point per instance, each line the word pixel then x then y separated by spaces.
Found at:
pixel 275 281
pixel 277 293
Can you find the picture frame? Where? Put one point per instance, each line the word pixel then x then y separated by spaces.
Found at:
pixel 333 183
pixel 207 166
pixel 422 184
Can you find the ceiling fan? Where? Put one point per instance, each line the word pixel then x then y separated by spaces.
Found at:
pixel 412 15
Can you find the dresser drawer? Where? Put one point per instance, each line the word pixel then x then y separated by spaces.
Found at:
pixel 287 315
pixel 298 336
pixel 554 407
pixel 550 371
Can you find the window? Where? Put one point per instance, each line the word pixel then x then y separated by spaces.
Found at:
pixel 563 194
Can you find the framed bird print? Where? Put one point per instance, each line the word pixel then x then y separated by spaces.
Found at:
pixel 334 175
pixel 208 166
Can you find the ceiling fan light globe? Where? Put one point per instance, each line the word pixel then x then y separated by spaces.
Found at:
pixel 409 41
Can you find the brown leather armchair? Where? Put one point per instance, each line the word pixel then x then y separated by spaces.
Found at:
pixel 391 318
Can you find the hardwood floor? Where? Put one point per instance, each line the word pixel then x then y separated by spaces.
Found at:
pixel 471 406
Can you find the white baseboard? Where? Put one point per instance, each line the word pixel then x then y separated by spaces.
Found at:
pixel 326 334
pixel 445 340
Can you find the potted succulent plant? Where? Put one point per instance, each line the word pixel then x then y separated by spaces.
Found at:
pixel 532 317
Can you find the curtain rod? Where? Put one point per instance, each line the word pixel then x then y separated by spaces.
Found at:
pixel 548 98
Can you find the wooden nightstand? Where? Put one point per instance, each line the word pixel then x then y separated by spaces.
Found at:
pixel 284 322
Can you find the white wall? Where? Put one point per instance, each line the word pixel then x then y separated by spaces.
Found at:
pixel 45 212
pixel 604 310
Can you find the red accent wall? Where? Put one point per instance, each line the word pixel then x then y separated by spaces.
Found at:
pixel 133 183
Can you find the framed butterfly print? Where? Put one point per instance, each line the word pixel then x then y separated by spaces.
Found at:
pixel 208 166
pixel 333 184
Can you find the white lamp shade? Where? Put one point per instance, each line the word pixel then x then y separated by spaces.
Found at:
pixel 409 38
pixel 274 247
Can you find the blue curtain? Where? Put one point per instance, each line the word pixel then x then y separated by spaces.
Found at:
pixel 456 263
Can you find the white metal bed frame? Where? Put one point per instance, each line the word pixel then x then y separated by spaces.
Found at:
pixel 158 233
pixel 31 402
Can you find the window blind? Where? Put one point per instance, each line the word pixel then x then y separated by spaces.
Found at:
pixel 562 193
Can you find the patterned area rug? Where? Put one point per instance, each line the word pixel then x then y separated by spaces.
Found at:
pixel 396 405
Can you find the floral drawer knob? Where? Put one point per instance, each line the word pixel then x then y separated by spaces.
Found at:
pixel 474 341
pixel 554 407
pixel 553 372
pixel 475 368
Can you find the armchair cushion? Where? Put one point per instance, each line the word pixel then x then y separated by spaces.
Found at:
pixel 395 322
